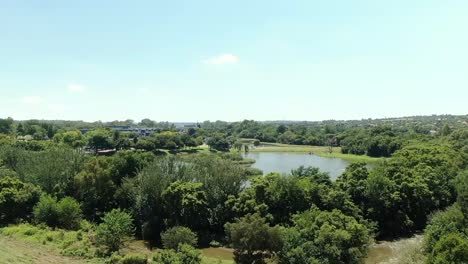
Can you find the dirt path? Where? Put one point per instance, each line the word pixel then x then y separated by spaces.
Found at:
pixel 20 252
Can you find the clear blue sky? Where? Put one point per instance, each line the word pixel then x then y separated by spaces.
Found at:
pixel 232 60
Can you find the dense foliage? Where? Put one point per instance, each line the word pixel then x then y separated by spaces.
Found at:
pixel 115 229
pixel 157 188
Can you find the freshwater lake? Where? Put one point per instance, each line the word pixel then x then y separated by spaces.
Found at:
pixel 284 162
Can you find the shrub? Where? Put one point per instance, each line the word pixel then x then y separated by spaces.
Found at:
pixel 450 249
pixel 167 256
pixel 69 213
pixel 46 211
pixel 66 242
pixel 323 235
pixel 215 243
pixel 174 236
pixel 253 239
pixel 185 254
pixel 16 199
pixel 115 229
pixel 442 223
pixel 64 214
pixel 134 259
pixel 188 254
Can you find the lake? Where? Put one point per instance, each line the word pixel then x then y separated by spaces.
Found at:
pixel 284 162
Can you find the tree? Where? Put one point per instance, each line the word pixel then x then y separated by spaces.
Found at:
pixel 6 125
pixel 175 236
pixel 99 139
pixel 442 224
pixel 168 140
pixel 115 229
pixel 69 213
pixel 446 130
pixel 65 213
pixel 462 192
pixel 72 138
pixel 46 211
pixel 325 237
pixel 219 143
pixel 95 188
pixel 16 199
pixel 450 249
pixel 145 144
pixel 253 239
pixel 146 122
pixel 185 254
pixel 52 169
pixel 185 204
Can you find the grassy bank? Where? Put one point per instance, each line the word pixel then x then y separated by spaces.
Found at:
pixel 25 244
pixel 351 157
pixel 321 151
pixel 18 251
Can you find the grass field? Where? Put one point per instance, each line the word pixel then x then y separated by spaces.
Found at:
pixel 321 151
pixel 17 251
pixel 26 244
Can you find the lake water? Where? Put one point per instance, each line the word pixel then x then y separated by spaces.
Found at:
pixel 284 162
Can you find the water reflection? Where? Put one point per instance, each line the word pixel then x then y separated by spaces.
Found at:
pixel 284 162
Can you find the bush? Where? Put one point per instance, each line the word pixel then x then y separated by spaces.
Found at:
pixel 69 213
pixel 167 256
pixel 322 235
pixel 450 249
pixel 442 223
pixel 66 242
pixel 64 214
pixel 189 255
pixel 253 239
pixel 215 244
pixel 174 236
pixel 185 254
pixel 115 229
pixel 46 211
pixel 17 199
pixel 134 259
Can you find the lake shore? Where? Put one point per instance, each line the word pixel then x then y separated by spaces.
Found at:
pixel 321 151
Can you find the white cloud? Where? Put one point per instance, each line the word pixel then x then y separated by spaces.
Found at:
pixel 76 88
pixel 33 99
pixel 222 59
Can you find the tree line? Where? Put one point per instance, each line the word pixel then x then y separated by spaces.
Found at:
pixel 181 202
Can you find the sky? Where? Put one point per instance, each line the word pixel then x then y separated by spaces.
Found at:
pixel 232 60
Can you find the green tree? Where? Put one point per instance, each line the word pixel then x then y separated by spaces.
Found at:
pixel 95 188
pixel 99 139
pixel 442 224
pixel 69 213
pixel 65 213
pixel 462 192
pixel 446 130
pixel 72 138
pixel 253 239
pixel 175 236
pixel 450 249
pixel 116 228
pixel 6 125
pixel 219 143
pixel 16 199
pixel 52 169
pixel 185 204
pixel 46 211
pixel 184 254
pixel 325 237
